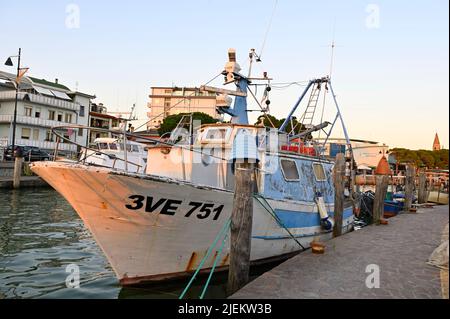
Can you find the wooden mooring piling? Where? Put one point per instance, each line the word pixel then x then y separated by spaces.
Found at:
pixel 241 227
pixel 339 183
pixel 17 171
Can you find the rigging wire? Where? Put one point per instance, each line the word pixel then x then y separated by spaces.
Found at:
pixel 268 29
pixel 333 45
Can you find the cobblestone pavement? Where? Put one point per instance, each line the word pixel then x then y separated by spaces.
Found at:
pixel 400 249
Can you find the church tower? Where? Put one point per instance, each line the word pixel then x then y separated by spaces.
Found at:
pixel 436 143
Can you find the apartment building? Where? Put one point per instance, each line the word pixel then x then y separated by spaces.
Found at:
pixel 165 101
pixel 42 105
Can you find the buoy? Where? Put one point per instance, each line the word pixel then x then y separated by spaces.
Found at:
pixel 383 167
pixel 325 220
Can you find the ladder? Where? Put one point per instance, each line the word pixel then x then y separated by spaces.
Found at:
pixel 308 116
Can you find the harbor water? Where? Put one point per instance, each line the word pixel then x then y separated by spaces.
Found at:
pixel 41 235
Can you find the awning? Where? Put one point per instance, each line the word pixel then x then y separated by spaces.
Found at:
pixel 364 167
pixel 61 95
pixel 42 90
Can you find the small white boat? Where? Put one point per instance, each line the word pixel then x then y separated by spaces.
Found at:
pixel 109 152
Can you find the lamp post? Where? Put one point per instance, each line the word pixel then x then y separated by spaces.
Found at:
pixel 9 63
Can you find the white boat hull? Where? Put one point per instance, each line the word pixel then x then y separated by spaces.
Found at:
pixel 152 228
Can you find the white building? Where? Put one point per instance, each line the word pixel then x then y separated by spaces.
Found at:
pixel 42 105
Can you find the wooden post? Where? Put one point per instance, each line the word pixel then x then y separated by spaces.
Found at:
pixel 382 182
pixel 339 181
pixel 409 187
pixel 17 171
pixel 241 227
pixel 422 196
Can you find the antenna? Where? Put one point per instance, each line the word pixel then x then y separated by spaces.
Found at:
pixel 333 45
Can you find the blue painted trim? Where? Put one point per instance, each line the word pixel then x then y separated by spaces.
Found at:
pixel 295 219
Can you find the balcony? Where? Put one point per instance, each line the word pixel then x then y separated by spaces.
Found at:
pixel 28 120
pixel 47 145
pixel 40 99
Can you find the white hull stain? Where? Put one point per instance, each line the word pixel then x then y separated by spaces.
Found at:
pixel 152 236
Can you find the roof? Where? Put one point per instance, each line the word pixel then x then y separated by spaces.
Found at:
pixel 220 124
pixel 436 140
pixel 48 83
pixel 147 132
pixel 176 87
pixel 82 94
pixel 106 116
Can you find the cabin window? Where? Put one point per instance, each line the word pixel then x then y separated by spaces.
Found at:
pixel 128 147
pixel 319 172
pixel 103 146
pixel 217 134
pixel 135 148
pixel 113 146
pixel 290 170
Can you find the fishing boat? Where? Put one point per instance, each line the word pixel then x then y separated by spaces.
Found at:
pixel 160 224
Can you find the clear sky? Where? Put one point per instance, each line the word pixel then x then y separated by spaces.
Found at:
pixel 390 69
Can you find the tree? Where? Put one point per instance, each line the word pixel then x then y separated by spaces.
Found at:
pixel 422 158
pixel 171 121
pixel 277 123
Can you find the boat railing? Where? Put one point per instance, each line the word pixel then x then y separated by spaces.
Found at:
pixel 57 131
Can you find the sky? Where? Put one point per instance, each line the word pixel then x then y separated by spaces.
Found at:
pixel 390 65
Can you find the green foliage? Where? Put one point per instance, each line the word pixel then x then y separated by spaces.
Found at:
pixel 422 158
pixel 170 122
pixel 277 123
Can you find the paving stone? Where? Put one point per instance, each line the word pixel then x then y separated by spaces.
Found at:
pixel 401 250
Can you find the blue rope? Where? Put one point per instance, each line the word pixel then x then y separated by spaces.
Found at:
pixel 224 228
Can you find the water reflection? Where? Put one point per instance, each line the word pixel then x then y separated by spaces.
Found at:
pixel 40 234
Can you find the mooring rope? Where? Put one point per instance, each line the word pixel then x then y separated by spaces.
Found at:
pixel 214 265
pixel 224 229
pixel 277 219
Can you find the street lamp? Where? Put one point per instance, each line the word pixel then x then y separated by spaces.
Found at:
pixel 9 63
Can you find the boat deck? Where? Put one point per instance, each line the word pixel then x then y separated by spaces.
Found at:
pixel 400 249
